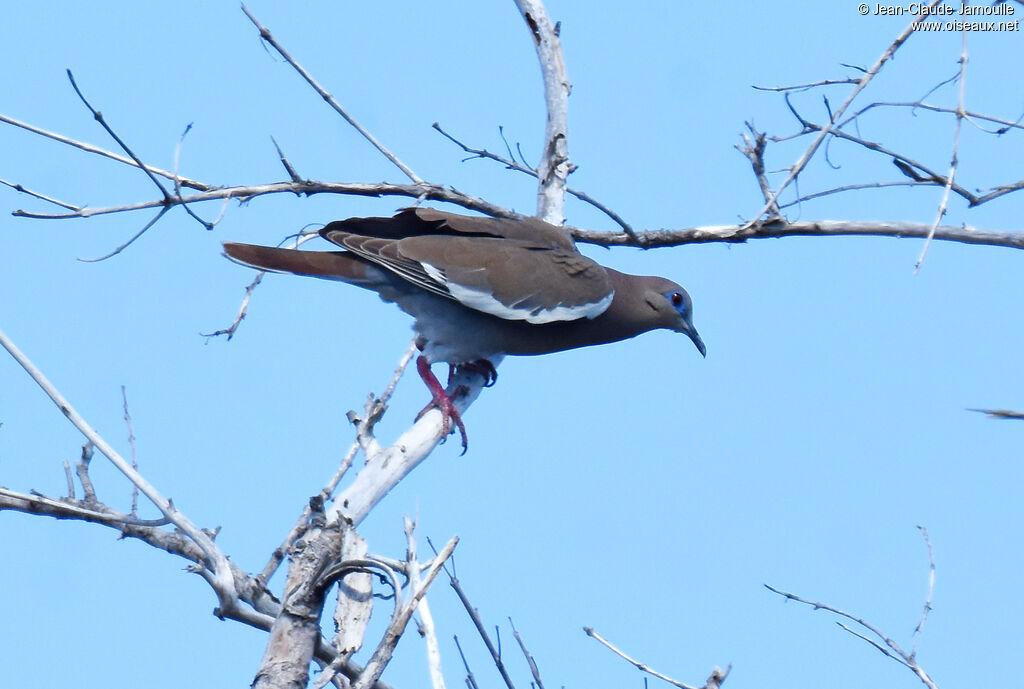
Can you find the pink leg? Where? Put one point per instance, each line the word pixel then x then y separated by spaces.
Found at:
pixel 441 400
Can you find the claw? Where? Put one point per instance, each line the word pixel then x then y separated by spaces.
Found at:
pixel 483 368
pixel 441 401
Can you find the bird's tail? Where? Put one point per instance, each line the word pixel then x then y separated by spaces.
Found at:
pixel 331 265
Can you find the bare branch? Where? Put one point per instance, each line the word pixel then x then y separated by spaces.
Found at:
pixel 1005 125
pixel 266 36
pixel 877 645
pixel 534 670
pixel 862 83
pixel 433 192
pixel 825 606
pixel 807 87
pixel 554 164
pixel 131 240
pixel 714 681
pixel 382 655
pixel 69 508
pixel 928 598
pixel 511 164
pixel 376 406
pixel 41 197
pixel 131 446
pixel 222 579
pixel 470 679
pixel 296 630
pixel 811 228
pixel 384 470
pixel 82 471
pixel 89 148
pixel 243 308
pixel 953 163
pixel 910 167
pixel 303 522
pixel 474 615
pixel 855 187
pixel 881 642
pixel 754 152
pixel 98 116
pixel 328 490
pixel 287 165
pixel 426 625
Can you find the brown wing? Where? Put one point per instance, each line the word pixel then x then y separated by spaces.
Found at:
pixel 514 269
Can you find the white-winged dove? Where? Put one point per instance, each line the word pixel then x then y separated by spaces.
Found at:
pixel 480 288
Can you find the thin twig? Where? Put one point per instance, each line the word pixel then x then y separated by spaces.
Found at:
pixel 332 484
pixel 754 152
pixel 534 670
pixel 434 192
pixel 512 164
pixel 928 598
pixel 287 165
pixel 862 83
pixel 882 649
pixel 470 679
pixel 474 615
pixel 953 163
pixel 1005 125
pixel 266 36
pixel 82 471
pixel 381 656
pixel 177 181
pixel 244 306
pixel 98 116
pixel 302 523
pixel 881 642
pixel 242 309
pixel 89 148
pixel 853 618
pixel 42 197
pixel 642 667
pixel 426 626
pixel 131 445
pixel 221 577
pixel 70 479
pixel 807 87
pixel 803 198
pixel 131 240
pixel 907 165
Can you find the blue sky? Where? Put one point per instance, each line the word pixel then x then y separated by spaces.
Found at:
pixel 634 487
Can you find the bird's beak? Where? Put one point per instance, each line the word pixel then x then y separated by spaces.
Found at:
pixel 691 332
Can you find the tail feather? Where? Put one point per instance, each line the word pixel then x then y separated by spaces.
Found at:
pixel 331 265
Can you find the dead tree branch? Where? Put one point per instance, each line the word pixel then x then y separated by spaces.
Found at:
pixel 811 228
pixel 554 167
pixel 862 83
pixel 714 680
pixel 511 164
pixel 872 634
pixel 329 99
pixel 944 203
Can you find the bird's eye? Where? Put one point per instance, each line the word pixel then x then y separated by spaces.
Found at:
pixel 676 298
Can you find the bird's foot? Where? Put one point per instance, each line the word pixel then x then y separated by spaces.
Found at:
pixel 442 401
pixel 482 367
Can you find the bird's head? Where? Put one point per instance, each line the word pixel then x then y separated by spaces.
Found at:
pixel 673 309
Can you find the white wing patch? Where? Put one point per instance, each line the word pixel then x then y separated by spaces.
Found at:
pixel 482 301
